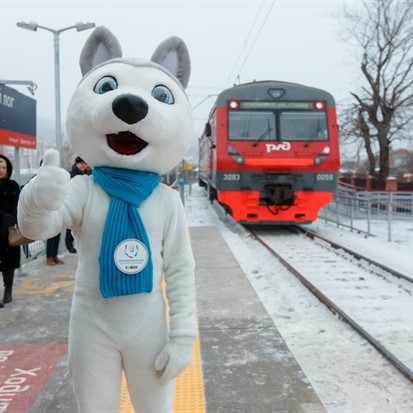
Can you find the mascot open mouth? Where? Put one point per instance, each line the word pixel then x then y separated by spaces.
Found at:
pixel 125 143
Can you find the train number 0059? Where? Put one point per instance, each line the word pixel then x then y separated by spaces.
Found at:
pixel 231 177
pixel 325 177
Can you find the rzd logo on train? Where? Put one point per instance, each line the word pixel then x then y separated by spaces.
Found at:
pixel 283 146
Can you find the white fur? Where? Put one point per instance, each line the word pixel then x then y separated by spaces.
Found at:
pixel 131 332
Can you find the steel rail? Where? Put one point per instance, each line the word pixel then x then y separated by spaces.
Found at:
pixel 406 371
pixel 355 254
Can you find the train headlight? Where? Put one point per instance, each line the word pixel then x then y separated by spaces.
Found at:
pixel 237 157
pixel 319 159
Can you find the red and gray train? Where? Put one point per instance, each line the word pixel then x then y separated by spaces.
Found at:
pixel 269 153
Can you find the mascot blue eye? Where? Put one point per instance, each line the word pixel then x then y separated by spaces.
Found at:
pixel 163 94
pixel 106 84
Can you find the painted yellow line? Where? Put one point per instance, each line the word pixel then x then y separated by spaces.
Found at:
pixel 189 390
pixel 47 285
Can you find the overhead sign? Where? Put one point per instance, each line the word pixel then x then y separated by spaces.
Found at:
pixel 276 105
pixel 17 119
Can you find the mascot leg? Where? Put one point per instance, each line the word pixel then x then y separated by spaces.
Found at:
pixel 95 361
pixel 95 368
pixel 133 337
pixel 139 354
pixel 146 393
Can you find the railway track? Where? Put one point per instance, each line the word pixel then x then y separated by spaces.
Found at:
pixel 365 294
pixel 356 254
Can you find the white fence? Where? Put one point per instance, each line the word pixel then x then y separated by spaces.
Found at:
pixel 33 250
pixel 388 215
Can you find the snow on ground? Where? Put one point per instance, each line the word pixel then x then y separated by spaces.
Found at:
pixel 395 256
pixel 347 373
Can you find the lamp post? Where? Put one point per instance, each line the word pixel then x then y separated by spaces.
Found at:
pixel 79 27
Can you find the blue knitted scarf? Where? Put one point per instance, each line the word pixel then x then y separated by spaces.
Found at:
pixel 125 256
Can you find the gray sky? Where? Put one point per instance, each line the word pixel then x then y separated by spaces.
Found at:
pixel 296 41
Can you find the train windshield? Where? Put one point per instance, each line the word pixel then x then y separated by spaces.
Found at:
pixel 252 126
pixel 303 126
pixel 279 125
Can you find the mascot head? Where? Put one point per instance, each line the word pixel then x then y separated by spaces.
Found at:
pixel 129 112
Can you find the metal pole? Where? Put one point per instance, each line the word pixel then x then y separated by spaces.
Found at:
pixel 337 212
pixel 79 27
pixel 16 168
pixel 57 95
pixel 369 214
pixel 389 215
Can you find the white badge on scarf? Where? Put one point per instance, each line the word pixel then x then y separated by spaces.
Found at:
pixel 131 256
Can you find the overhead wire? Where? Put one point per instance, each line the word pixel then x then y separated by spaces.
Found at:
pixel 243 49
pixel 245 41
pixel 256 37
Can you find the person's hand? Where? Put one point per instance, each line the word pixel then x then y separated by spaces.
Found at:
pixel 174 358
pixel 49 186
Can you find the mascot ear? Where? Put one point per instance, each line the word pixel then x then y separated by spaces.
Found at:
pixel 174 56
pixel 100 46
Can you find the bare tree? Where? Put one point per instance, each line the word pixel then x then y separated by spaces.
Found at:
pixel 382 111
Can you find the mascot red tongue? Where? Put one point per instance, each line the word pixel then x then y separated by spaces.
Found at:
pixel 125 143
pixel 130 119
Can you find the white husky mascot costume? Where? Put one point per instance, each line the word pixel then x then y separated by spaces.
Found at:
pixel 130 119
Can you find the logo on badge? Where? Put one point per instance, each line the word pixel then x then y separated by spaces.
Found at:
pixel 131 256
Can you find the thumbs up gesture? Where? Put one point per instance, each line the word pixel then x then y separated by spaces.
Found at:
pixel 49 185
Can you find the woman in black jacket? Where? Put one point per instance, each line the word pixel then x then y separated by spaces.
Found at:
pixel 9 256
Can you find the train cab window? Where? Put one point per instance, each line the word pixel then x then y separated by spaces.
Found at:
pixel 303 126
pixel 251 126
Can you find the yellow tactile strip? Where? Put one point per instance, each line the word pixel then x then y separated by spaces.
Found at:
pixel 189 393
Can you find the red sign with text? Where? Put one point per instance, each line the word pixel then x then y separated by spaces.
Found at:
pixel 24 371
pixel 20 140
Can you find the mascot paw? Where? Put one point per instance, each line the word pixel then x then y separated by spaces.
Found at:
pixel 49 185
pixel 174 358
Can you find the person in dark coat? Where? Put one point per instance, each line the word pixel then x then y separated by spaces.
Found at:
pixel 80 167
pixel 9 197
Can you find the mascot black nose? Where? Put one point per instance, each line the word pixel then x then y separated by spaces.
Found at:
pixel 130 108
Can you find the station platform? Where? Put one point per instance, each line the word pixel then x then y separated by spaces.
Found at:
pixel 241 363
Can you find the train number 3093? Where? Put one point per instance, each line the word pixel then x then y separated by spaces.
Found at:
pixel 231 177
